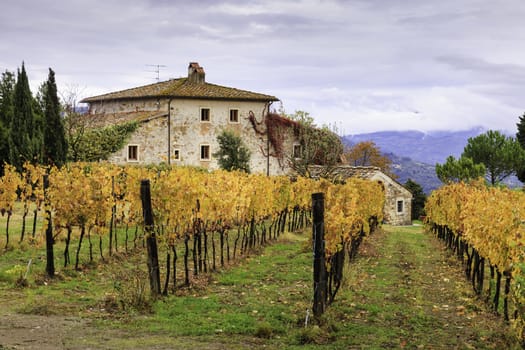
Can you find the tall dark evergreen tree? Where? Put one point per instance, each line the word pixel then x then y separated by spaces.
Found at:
pixel 22 127
pixel 55 145
pixel 7 86
pixel 418 198
pixel 520 136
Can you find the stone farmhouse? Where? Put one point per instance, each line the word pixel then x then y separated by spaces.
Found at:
pixel 180 119
pixel 398 200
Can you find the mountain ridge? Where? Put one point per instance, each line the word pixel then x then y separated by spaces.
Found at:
pixel 414 154
pixel 427 147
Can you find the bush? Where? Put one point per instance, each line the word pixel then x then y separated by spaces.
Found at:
pixel 131 292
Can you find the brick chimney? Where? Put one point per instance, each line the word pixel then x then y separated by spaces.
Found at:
pixel 196 73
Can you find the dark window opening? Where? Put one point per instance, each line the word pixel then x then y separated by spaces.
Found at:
pixel 133 152
pixel 205 152
pixel 297 151
pixel 205 114
pixel 399 206
pixel 234 115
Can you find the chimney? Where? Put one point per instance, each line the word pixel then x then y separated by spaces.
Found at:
pixel 196 73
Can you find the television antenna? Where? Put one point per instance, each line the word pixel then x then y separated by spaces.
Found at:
pixel 156 69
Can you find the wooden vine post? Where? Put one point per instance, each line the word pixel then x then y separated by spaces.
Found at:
pixel 50 258
pixel 320 275
pixel 151 240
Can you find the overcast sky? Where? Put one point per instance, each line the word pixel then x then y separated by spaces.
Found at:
pixel 363 65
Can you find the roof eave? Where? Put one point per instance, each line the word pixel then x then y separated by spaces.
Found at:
pixel 178 97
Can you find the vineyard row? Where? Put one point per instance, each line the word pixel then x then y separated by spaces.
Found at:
pixel 484 227
pixel 190 207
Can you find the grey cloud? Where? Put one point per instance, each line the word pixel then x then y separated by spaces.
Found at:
pixel 326 55
pixel 482 71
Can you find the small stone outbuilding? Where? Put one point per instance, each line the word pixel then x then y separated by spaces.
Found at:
pixel 398 201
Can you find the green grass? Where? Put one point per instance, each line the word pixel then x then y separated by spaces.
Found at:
pixel 401 292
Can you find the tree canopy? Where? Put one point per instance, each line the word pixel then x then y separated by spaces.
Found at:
pixel 7 87
pixel 366 153
pixel 502 155
pixel 97 144
pixel 456 170
pixel 232 153
pixel 55 144
pixel 317 145
pixel 25 133
pixel 520 136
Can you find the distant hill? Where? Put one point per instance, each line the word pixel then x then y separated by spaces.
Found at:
pixel 414 154
pixel 422 173
pixel 431 148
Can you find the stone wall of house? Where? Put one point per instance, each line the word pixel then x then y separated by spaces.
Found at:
pixel 398 201
pixel 189 134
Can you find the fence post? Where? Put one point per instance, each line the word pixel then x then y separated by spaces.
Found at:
pixel 320 276
pixel 151 240
pixel 50 257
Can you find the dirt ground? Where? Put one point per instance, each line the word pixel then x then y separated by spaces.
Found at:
pixel 38 332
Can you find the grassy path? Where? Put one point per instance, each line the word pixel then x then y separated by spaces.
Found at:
pixel 402 292
pixel 405 292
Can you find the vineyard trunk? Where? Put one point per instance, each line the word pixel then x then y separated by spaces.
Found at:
pixel 174 249
pixel 236 240
pixel 7 229
pixel 66 249
pixel 100 248
pixel 82 233
pixel 195 252
pixel 35 212
pixel 23 232
pixel 90 246
pixel 506 298
pixel 213 250
pixel 205 259
pixel 222 246
pixel 498 287
pixel 168 270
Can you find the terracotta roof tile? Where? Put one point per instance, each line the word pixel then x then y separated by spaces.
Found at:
pixel 183 88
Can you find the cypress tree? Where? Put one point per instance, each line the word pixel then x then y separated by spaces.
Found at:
pixel 7 85
pixel 21 128
pixel 520 136
pixel 55 146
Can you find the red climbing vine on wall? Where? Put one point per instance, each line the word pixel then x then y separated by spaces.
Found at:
pixel 275 128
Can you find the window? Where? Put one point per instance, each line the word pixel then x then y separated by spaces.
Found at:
pixel 205 152
pixel 234 115
pixel 205 114
pixel 297 151
pixel 133 153
pixel 176 154
pixel 399 206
